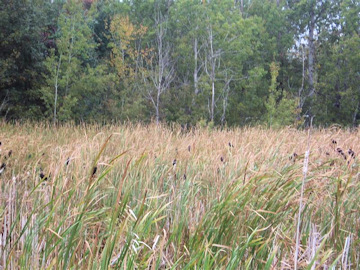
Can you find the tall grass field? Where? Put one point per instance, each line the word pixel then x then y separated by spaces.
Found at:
pixel 156 197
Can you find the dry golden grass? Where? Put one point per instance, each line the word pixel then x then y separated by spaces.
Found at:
pixel 242 173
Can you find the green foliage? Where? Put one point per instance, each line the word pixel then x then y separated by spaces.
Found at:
pixel 281 109
pixel 22 52
pixel 67 63
pixel 96 61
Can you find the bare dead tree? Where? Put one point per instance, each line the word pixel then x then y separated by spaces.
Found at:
pixel 4 102
pixel 211 60
pixel 226 90
pixel 301 89
pixel 160 65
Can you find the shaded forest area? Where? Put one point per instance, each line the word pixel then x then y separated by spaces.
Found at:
pixel 217 62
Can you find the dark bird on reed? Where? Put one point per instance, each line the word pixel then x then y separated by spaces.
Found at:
pixel 10 153
pixel 67 161
pixel 221 159
pixel 174 162
pixel 230 144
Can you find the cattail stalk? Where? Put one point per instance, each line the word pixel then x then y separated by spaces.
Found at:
pixel 305 170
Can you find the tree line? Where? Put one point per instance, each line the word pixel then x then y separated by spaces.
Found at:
pixel 209 62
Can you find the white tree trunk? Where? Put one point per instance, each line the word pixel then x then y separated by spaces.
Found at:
pixel 56 89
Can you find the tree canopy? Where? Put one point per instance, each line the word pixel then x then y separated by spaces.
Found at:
pixel 221 62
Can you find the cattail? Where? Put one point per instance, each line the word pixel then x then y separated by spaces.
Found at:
pixel 189 148
pixel 293 157
pixel 184 176
pixel 9 154
pixel 230 144
pixel 43 176
pixel 351 153
pixel 340 151
pixel 2 168
pixel 174 162
pixel 334 142
pixel 94 171
pixel 222 159
pixel 67 161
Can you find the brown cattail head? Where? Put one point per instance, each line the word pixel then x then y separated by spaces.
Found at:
pixel 94 170
pixel 43 176
pixel 351 153
pixel 293 156
pixel 341 152
pixel 2 168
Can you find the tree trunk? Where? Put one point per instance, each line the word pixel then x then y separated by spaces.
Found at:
pixel 311 68
pixel 196 79
pixel 157 111
pixel 212 100
pixel 212 59
pixel 56 89
pixel 355 114
pixel 225 100
pixel 301 89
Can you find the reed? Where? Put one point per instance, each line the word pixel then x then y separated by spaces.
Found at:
pixel 154 197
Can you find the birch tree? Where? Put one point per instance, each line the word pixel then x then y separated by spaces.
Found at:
pixel 160 66
pixel 73 48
